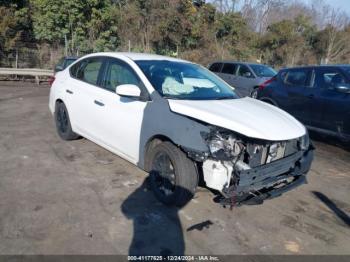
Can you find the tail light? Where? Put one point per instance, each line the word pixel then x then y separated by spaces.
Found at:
pixel 51 80
pixel 263 85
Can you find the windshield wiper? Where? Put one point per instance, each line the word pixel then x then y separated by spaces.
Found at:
pixel 175 97
pixel 224 97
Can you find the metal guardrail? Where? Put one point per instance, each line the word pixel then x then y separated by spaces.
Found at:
pixel 37 73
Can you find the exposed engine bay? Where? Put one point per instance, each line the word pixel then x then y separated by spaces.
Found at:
pixel 244 169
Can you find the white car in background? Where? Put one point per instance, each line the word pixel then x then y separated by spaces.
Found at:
pixel 178 121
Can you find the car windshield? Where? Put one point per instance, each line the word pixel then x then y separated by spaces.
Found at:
pixel 263 70
pixel 182 80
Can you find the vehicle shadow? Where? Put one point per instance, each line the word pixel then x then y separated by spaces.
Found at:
pixel 157 229
pixel 332 206
pixel 330 140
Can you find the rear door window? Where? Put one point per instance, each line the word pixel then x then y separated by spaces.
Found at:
pixel 229 69
pixel 88 70
pixel 216 67
pixel 297 77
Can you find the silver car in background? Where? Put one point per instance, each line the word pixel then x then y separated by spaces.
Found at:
pixel 244 77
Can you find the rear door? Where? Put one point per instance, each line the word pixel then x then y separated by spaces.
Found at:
pixel 229 73
pixel 300 90
pixel 84 93
pixel 335 106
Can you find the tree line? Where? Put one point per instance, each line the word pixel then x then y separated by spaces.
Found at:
pixel 276 32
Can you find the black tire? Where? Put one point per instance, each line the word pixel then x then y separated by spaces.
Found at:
pixel 177 186
pixel 63 125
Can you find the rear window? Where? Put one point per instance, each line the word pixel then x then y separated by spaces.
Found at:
pixel 216 67
pixel 74 68
pixel 229 69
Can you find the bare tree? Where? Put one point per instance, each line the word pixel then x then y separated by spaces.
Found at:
pixel 336 41
pixel 261 13
pixel 333 38
pixel 324 15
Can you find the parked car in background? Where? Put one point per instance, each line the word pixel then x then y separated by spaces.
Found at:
pixel 244 77
pixel 318 96
pixel 177 120
pixel 64 62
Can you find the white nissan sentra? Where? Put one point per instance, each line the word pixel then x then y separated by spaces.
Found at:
pixel 182 124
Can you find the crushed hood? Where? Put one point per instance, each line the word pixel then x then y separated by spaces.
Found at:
pixel 246 116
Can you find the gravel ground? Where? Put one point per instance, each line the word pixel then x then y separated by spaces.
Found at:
pixel 75 197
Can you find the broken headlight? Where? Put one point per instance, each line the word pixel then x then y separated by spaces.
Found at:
pixel 305 141
pixel 223 145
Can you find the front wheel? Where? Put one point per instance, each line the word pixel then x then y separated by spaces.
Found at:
pixel 173 176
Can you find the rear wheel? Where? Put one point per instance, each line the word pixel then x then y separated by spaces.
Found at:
pixel 63 125
pixel 173 176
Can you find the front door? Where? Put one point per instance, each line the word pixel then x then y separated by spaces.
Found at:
pixel 121 118
pixel 335 105
pixel 245 80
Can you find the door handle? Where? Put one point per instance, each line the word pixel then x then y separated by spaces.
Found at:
pixel 99 103
pixel 69 91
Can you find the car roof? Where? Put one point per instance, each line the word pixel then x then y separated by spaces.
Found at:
pixel 315 66
pixel 138 56
pixel 237 62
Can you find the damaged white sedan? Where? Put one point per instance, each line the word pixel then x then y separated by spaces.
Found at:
pixel 182 124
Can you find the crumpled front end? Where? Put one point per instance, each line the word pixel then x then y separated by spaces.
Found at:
pixel 247 170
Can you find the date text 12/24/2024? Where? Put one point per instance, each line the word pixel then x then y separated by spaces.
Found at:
pixel 173 258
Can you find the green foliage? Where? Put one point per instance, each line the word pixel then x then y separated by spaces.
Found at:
pixel 191 29
pixel 15 24
pixel 86 25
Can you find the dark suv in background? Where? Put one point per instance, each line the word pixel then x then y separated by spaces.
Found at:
pixel 318 96
pixel 244 77
pixel 64 63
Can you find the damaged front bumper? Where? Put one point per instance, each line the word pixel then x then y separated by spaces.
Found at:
pixel 255 185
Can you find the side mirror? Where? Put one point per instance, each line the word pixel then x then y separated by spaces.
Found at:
pixel 342 88
pixel 248 74
pixel 128 90
pixel 58 68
